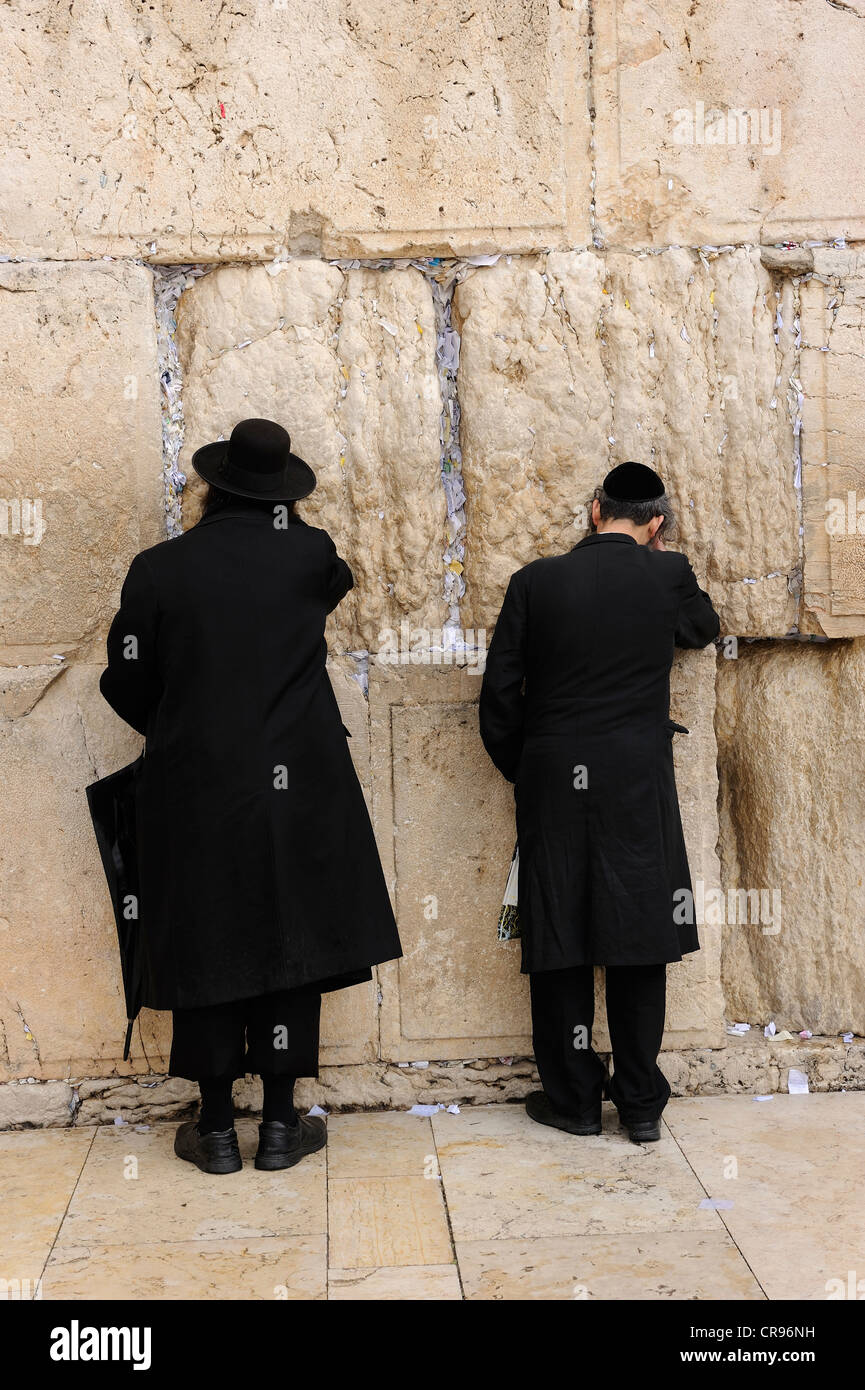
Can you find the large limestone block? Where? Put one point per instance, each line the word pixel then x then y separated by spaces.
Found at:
pixel 349 1017
pixel 445 825
pixel 792 814
pixel 573 362
pixel 346 361
pixel 80 450
pixel 188 132
pixel 725 123
pixel 61 1000
pixel 833 422
pixel 694 1000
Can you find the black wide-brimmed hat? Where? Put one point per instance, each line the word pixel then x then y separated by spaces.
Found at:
pixel 256 462
pixel 633 482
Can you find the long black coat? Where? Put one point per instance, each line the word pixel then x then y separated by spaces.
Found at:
pixel 578 677
pixel 258 869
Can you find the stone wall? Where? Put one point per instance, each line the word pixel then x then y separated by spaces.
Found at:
pixel 471 257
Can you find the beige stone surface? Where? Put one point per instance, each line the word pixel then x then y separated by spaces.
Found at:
pixel 61 1001
pixel 120 1197
pixel 548 1183
pixel 832 373
pixel 565 1218
pixel 792 820
pixel 659 1265
pixel 349 1017
pixel 390 1144
pixel 345 360
pixel 38 1173
pixel 694 1001
pixel 797 1213
pixel 277 1269
pixel 225 134
pixel 22 686
pixel 437 1283
pixel 386 1222
pixel 571 363
pixel 80 437
pixel 445 827
pixel 30 1103
pixel 797 174
pixel 748 1065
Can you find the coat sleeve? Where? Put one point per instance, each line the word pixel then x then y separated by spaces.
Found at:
pixel 697 623
pixel 339 578
pixel 130 682
pixel 501 701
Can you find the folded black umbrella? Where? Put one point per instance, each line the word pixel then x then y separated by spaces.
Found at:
pixel 112 809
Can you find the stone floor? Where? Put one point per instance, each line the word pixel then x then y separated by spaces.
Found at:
pixel 481 1205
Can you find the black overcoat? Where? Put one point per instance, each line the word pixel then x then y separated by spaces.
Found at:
pixel 258 869
pixel 575 710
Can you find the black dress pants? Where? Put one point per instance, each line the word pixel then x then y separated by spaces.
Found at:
pixel 572 1074
pixel 270 1035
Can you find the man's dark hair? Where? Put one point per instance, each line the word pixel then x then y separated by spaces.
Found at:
pixel 639 513
pixel 216 498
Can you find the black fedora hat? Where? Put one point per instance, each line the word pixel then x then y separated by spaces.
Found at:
pixel 256 462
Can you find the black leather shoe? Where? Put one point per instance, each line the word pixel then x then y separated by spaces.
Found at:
pixel 216 1152
pixel 646 1132
pixel 538 1108
pixel 281 1145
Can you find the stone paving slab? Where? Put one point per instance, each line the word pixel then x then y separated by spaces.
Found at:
pixel 652 1265
pixel 506 1177
pixel 38 1173
pixel 482 1205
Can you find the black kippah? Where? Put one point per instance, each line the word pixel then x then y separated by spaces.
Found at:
pixel 633 482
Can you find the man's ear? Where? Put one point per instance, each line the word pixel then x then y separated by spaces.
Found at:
pixel 654 526
pixel 596 511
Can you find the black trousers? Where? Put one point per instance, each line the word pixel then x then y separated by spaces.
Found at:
pixel 270 1035
pixel 572 1074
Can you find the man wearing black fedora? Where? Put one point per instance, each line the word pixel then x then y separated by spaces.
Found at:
pixel 259 879
pixel 575 710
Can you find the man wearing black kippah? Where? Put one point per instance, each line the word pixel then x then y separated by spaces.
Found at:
pixel 574 710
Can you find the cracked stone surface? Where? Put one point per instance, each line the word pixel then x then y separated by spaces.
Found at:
pixel 80 436
pixel 795 174
pixel 346 361
pixel 60 994
pixel 792 815
pixel 346 128
pixel 573 362
pixel 749 1065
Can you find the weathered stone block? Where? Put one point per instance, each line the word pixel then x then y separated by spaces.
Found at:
pixel 445 825
pixel 833 423
pixel 792 816
pixel 718 124
pixel 35 1106
pixel 572 363
pixel 354 127
pixel 444 822
pixel 346 361
pixel 61 1000
pixel 80 451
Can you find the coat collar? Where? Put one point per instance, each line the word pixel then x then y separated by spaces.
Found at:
pixel 226 513
pixel 598 537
